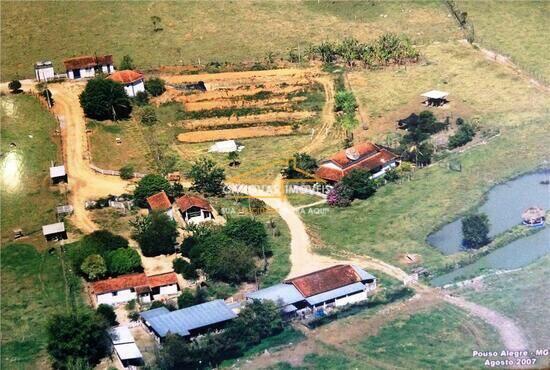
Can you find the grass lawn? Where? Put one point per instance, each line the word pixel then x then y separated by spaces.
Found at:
pixel 518 29
pixel 279 236
pixel 200 31
pixel 302 199
pixel 522 296
pixel 27 200
pixel 32 289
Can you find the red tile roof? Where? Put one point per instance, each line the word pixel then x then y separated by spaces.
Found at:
pixel 138 281
pixel 324 280
pixel 159 202
pixel 370 156
pixel 188 201
pixel 126 76
pixel 87 61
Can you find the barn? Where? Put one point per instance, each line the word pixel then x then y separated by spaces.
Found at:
pixel 88 66
pixel 132 81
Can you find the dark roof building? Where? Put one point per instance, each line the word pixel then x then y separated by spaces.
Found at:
pixel 87 61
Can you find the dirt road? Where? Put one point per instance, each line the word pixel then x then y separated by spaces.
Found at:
pixel 327 115
pixel 84 183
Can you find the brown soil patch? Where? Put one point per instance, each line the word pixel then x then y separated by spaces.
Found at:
pixel 275 89
pixel 236 133
pixel 268 75
pixel 279 102
pixel 255 119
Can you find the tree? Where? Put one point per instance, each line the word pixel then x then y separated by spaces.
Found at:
pixel 73 336
pixel 105 99
pixel 464 135
pixel 206 177
pixel 108 313
pixel 301 166
pixel 344 101
pixel 155 86
pixel 475 230
pixel 104 240
pixel 149 185
pixel 14 86
pixel 127 172
pixel 186 269
pixel 186 299
pixel 339 196
pixel 94 267
pixel 360 182
pixel 228 261
pixel 158 236
pixel 233 158
pixel 258 320
pixel 249 231
pixel 141 98
pixel 127 63
pixel 123 261
pixel 148 116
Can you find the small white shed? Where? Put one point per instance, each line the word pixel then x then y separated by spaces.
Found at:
pixel 43 71
pixel 125 346
pixel 226 146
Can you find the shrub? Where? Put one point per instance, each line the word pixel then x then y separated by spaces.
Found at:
pixel 14 86
pixel 391 176
pixel 127 172
pixel 94 267
pixel 464 135
pixel 133 316
pixel 104 240
pixel 344 101
pixel 360 182
pixel 148 116
pixel 249 231
pixel 123 261
pixel 475 230
pixel 186 299
pixel 186 269
pixel 226 260
pixel 300 166
pixel 126 63
pixel 257 206
pixel 157 235
pixel 155 86
pixel 206 177
pixel 105 99
pixel 141 98
pixel 149 185
pixel 108 313
pixel 339 196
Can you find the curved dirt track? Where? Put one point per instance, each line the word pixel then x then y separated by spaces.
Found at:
pixel 84 183
pixel 327 114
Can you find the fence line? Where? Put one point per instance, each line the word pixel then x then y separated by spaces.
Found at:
pixel 112 172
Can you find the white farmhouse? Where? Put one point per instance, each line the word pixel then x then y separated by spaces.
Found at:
pixel 132 81
pixel 134 286
pixel 43 71
pixel 87 66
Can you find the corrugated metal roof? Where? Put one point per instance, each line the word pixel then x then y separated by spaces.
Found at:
pixel 362 273
pixel 335 293
pixel 53 228
pixel 282 294
pixel 194 317
pixel 127 351
pixel 57 171
pixel 147 315
pixel 121 334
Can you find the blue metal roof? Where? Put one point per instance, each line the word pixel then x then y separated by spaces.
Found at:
pixel 194 317
pixel 281 294
pixel 362 273
pixel 335 293
pixel 148 315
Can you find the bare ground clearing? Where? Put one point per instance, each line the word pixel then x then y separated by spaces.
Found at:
pixel 277 102
pixel 233 133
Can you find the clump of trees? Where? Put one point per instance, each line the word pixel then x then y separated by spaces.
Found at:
pixel 105 99
pixel 387 49
pixel 463 135
pixel 150 185
pixel 206 177
pixel 256 322
pixel 155 233
pixel 101 254
pixel 14 86
pixel 187 298
pixel 346 105
pixel 414 146
pixel 155 86
pixel 126 63
pixel 357 184
pixel 475 230
pixel 301 166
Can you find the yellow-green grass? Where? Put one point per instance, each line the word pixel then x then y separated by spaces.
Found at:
pixel 114 221
pixel 32 288
pixel 477 87
pixel 298 200
pixel 279 236
pixel 28 201
pixel 520 295
pixel 199 31
pixel 109 155
pixel 261 160
pixel 518 29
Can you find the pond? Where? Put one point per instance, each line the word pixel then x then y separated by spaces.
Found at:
pixel 504 205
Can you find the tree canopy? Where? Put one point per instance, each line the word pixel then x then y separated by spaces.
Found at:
pixel 249 231
pixel 207 177
pixel 155 86
pixel 94 267
pixel 149 185
pixel 360 182
pixel 156 235
pixel 123 261
pixel 300 166
pixel 475 230
pixel 105 99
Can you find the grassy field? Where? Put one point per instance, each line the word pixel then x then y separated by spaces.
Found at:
pixel 33 288
pixel 518 29
pixel 302 199
pixel 27 200
pixel 200 31
pixel 520 295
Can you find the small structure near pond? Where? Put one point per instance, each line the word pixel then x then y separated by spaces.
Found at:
pixel 533 217
pixel 435 98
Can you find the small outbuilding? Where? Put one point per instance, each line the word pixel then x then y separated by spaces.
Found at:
pixel 194 209
pixel 160 202
pixel 54 231
pixel 58 174
pixel 226 146
pixel 435 98
pixel 43 71
pixel 125 347
pixel 132 81
pixel 88 66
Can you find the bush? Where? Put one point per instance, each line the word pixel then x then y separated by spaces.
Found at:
pixel 186 299
pixel 391 176
pixel 126 63
pixel 93 267
pixel 249 231
pixel 104 240
pixel 155 86
pixel 127 172
pixel 257 206
pixel 206 177
pixel 108 313
pixel 226 260
pixel 360 182
pixel 149 185
pixel 148 116
pixel 186 269
pixel 105 99
pixel 14 86
pixel 141 98
pixel 123 261
pixel 339 196
pixel 475 230
pixel 301 166
pixel 344 101
pixel 156 235
pixel 464 135
pixel 133 316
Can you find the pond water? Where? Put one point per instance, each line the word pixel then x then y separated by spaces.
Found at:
pixel 517 254
pixel 503 206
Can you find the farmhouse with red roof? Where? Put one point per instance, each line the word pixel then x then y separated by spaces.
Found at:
pixel 88 66
pixel 160 202
pixel 132 81
pixel 194 209
pixel 365 155
pixel 134 286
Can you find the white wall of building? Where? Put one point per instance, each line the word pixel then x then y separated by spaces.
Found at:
pixel 169 289
pixel 134 88
pixel 90 72
pixel 116 297
pixel 384 169
pixel 354 298
pixel 44 74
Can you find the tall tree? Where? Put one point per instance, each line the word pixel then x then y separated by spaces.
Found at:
pixel 158 236
pixel 149 185
pixel 105 99
pixel 207 177
pixel 475 230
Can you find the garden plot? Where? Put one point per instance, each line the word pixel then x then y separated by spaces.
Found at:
pixel 249 120
pixel 236 133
